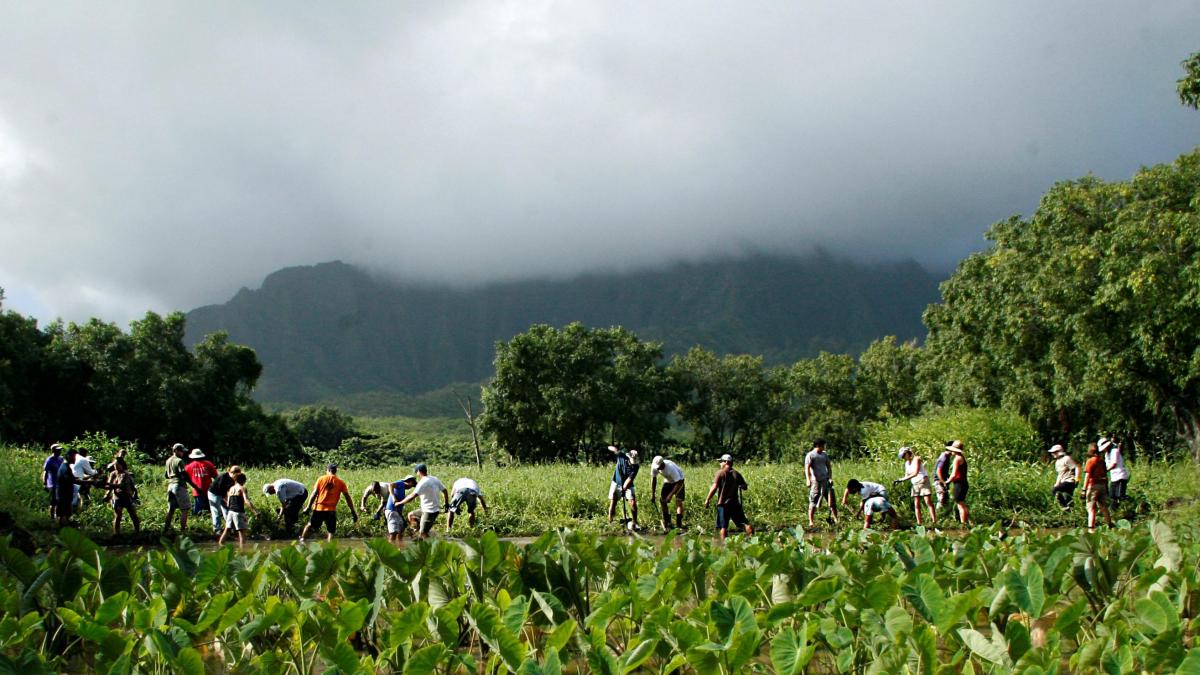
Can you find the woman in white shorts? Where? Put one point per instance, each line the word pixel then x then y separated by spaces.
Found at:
pixel 914 471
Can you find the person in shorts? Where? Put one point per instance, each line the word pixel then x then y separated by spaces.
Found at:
pixel 672 489
pixel 957 483
pixel 1095 486
pixel 291 495
pixel 1066 476
pixel 122 490
pixel 236 503
pixel 324 501
pixel 874 501
pixel 727 486
pixel 464 491
pixel 203 473
pixel 64 489
pixel 427 489
pixel 393 510
pixel 50 475
pixel 818 475
pixel 178 481
pixel 915 473
pixel 218 492
pixel 622 485
pixel 941 475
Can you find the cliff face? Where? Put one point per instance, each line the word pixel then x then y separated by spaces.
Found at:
pixel 333 329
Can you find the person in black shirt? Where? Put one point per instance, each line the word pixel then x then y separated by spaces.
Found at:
pixel 64 489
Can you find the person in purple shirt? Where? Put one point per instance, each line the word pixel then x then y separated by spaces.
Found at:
pixel 50 474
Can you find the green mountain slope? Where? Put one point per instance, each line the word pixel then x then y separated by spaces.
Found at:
pixel 326 331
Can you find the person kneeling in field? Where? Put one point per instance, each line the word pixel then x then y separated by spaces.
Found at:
pixel 427 489
pixel 323 504
pixel 236 503
pixel 121 495
pixel 672 489
pixel 465 491
pixel 391 507
pixel 914 471
pixel 874 500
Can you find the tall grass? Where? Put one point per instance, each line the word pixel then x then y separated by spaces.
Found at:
pixel 529 500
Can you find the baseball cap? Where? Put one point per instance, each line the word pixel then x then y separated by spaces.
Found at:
pixel 420 468
pixel 178 446
pixel 267 488
pixel 902 451
pixel 633 456
pixel 408 478
pixel 1055 449
pixel 656 462
pixel 725 458
pixel 332 467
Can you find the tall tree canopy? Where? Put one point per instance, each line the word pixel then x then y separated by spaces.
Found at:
pixel 1086 316
pixel 561 394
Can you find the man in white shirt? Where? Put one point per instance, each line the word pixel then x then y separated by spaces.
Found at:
pixel 292 495
pixel 672 489
pixel 1118 475
pixel 464 491
pixel 427 490
pixel 84 472
pixel 874 500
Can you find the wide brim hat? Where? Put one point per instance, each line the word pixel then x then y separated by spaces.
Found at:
pixel 902 452
pixel 633 456
pixel 1104 444
pixel 196 453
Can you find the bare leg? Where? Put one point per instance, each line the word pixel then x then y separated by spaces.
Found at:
pixel 470 518
pixel 633 511
pixel 612 506
pixel 224 533
pixel 450 521
pixel 964 515
pixel 116 520
pixel 917 509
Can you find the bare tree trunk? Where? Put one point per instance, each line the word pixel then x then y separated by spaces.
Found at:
pixel 1189 431
pixel 465 403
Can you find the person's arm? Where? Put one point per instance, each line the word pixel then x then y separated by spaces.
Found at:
pixel 250 505
pixel 845 496
pixel 711 491
pixel 312 498
pixel 483 502
pixel 654 484
pixel 446 497
pixel 909 476
pixel 350 503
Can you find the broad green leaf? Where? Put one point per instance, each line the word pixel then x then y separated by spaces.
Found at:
pixel 515 614
pixel 1152 616
pixel 818 591
pixel 635 657
pixel 426 660
pixel 994 650
pixel 188 662
pixel 898 622
pixel 487 622
pixel 1168 547
pixel 1190 664
pixel 561 634
pixel 790 652
pixel 925 595
pixel 881 593
pixel 406 622
pixel 744 646
pixel 111 608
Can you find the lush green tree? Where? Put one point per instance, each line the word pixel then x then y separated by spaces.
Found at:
pixel 731 403
pixel 322 427
pixel 22 378
pixel 887 381
pixel 1085 317
pixel 824 403
pixel 564 394
pixel 1189 85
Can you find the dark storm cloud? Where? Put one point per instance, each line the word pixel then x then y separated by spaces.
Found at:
pixel 159 156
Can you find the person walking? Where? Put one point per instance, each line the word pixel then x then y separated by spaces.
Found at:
pixel 50 475
pixel 427 489
pixel 727 486
pixel 622 486
pixel 672 489
pixel 395 512
pixel 178 481
pixel 464 491
pixel 1066 476
pixel 323 504
pixel 236 503
pixel 218 493
pixel 818 476
pixel 1118 475
pixel 122 491
pixel 958 482
pixel 915 473
pixel 873 500
pixel 64 489
pixel 203 472
pixel 1095 488
pixel 291 495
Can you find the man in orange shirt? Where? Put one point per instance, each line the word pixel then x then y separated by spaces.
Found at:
pixel 1095 486
pixel 323 503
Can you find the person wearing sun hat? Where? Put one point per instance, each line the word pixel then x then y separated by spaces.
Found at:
pixel 1066 476
pixel 914 472
pixel 727 486
pixel 203 473
pixel 672 489
pixel 1118 475
pixel 958 481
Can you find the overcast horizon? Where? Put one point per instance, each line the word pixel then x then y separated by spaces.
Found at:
pixel 156 156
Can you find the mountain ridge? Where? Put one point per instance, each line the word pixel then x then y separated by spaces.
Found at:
pixel 332 329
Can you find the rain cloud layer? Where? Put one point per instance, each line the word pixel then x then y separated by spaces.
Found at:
pixel 162 155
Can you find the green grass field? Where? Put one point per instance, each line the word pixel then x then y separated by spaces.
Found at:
pixel 531 500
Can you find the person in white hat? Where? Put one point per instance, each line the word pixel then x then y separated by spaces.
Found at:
pixel 914 472
pixel 396 492
pixel 672 489
pixel 1066 476
pixel 958 481
pixel 203 473
pixel 1118 475
pixel 622 485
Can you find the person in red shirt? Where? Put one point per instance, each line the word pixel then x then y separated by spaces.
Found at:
pixel 1095 486
pixel 202 472
pixel 323 503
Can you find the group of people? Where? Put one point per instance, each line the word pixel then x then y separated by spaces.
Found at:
pixel 1105 478
pixel 194 486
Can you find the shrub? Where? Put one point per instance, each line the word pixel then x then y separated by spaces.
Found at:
pixel 986 434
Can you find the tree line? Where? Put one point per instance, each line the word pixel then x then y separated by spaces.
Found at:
pixel 1083 318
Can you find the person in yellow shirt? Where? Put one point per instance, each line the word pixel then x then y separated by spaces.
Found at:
pixel 323 504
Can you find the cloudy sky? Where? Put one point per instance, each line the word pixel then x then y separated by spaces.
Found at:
pixel 161 155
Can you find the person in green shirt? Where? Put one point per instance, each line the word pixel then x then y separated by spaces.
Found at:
pixel 178 481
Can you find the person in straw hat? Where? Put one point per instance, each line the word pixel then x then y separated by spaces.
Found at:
pixel 958 481
pixel 1066 476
